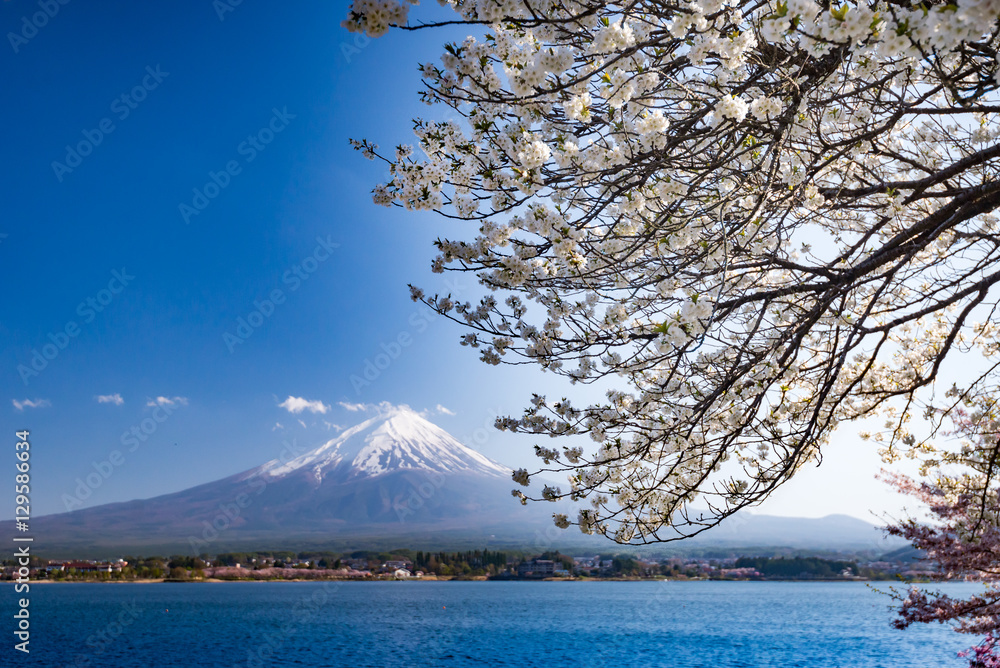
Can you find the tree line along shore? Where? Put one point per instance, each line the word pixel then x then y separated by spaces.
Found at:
pixel 462 565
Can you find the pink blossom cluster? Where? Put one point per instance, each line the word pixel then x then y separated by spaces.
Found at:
pixel 235 572
pixel 962 496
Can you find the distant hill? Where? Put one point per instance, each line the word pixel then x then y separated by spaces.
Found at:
pixel 907 553
pixel 395 480
pixel 831 532
pixel 395 477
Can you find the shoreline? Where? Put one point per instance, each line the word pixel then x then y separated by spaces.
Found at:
pixel 457 579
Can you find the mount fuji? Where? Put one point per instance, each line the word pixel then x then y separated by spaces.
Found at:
pixel 397 440
pixel 395 480
pixel 395 477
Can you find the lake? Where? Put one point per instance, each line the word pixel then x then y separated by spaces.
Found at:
pixel 457 624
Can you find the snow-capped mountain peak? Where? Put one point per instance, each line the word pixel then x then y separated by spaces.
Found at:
pixel 396 439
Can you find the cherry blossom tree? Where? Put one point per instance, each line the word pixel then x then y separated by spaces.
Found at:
pixel 960 487
pixel 753 220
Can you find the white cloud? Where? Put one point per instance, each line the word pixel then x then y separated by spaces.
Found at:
pixel 298 404
pixel 303 424
pixel 115 399
pixel 28 403
pixel 331 425
pixel 167 401
pixel 381 407
pixel 442 409
pixel 277 425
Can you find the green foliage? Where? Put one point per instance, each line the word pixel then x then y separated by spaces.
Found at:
pixel 562 560
pixel 797 567
pixel 625 566
pixel 473 562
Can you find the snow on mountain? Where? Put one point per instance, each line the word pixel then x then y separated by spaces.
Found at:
pixel 396 440
pixel 395 479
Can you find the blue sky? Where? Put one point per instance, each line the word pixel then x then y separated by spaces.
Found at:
pixel 167 167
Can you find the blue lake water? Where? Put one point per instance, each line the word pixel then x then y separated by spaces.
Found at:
pixel 459 624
